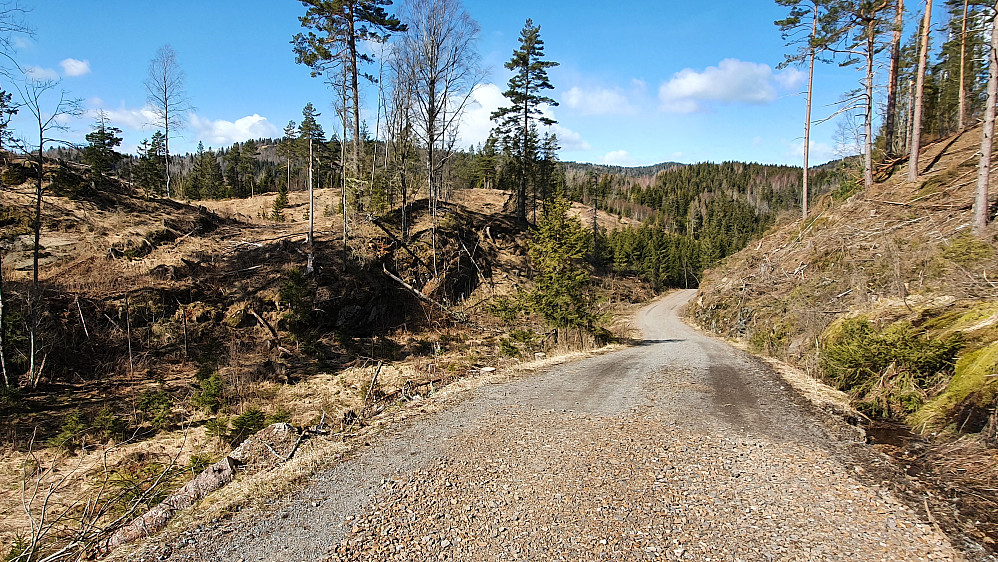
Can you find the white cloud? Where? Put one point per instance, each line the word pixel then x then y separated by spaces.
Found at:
pixel 39 73
pixel 731 81
pixel 74 67
pixel 569 139
pixel 221 132
pixel 476 123
pixel 618 158
pixel 598 101
pixel 22 42
pixel 137 119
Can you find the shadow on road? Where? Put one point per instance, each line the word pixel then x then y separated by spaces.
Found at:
pixel 653 342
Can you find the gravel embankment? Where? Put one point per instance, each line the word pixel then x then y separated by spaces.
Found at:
pixel 681 448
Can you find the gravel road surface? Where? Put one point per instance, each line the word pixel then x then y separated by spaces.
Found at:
pixel 679 448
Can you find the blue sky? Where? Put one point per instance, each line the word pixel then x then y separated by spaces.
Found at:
pixel 639 82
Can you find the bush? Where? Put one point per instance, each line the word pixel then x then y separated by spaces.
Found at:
pixel 71 433
pixel 217 427
pixel 508 349
pixel 889 370
pixel 210 394
pixel 280 416
pixel 106 424
pixel 246 424
pixel 14 175
pixel 155 408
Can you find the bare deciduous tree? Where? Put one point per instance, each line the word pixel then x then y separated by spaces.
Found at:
pixel 39 98
pixel 168 97
pixel 440 63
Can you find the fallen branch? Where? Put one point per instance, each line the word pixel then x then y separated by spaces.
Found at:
pixel 374 380
pixel 402 244
pixel 420 295
pixel 213 478
pixel 260 319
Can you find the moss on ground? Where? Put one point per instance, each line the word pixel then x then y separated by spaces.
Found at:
pixel 974 379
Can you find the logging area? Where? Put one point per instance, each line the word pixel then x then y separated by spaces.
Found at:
pixel 174 332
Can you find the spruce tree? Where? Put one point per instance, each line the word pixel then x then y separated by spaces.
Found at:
pixel 563 292
pixel 516 122
pixel 99 153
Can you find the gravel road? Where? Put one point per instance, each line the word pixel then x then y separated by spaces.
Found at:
pixel 679 448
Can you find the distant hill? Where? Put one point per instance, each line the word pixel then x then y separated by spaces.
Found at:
pixel 623 171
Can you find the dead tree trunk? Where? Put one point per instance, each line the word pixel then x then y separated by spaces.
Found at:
pixel 890 119
pixel 916 121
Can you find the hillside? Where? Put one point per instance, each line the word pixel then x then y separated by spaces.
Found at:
pixel 169 331
pixel 887 296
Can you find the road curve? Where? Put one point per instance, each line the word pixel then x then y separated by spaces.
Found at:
pixel 680 447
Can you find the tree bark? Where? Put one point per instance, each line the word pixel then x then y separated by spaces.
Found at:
pixel 807 115
pixel 916 121
pixel 3 323
pixel 963 58
pixel 311 195
pixel 343 172
pixel 890 119
pixel 980 220
pixel 355 90
pixel 868 121
pixel 213 478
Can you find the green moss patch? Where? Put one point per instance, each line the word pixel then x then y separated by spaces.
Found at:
pixel 967 250
pixel 973 386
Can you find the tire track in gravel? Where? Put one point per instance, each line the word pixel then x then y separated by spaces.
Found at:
pixel 679 448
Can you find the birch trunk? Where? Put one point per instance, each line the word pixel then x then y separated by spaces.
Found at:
pixel 980 220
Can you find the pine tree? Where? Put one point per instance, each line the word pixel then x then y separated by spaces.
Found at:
pixel 804 17
pixel 312 137
pixel 516 122
pixel 852 28
pixel 337 28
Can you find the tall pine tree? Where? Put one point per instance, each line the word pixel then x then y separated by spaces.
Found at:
pixel 336 31
pixel 516 122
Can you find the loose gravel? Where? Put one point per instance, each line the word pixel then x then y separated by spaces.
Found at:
pixel 679 449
